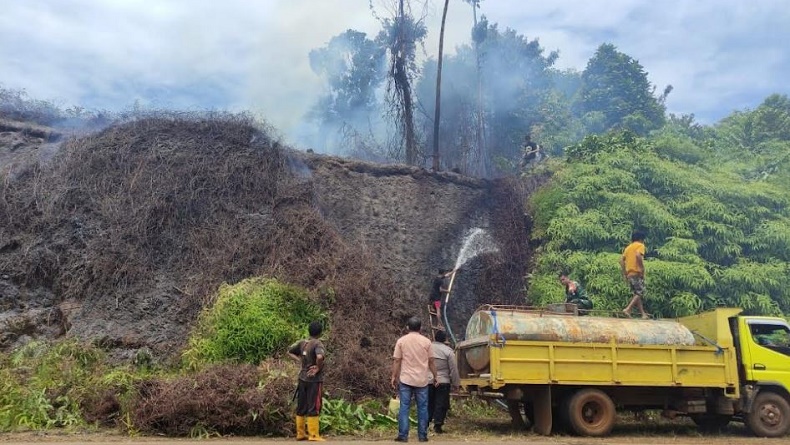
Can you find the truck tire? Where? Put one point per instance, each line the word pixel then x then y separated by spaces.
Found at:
pixel 590 412
pixel 770 415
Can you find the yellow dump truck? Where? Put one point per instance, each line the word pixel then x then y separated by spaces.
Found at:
pixel 573 372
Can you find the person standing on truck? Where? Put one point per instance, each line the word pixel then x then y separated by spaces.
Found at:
pixel 413 359
pixel 575 294
pixel 447 379
pixel 310 353
pixel 632 266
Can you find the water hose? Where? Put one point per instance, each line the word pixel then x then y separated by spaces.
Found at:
pixel 444 308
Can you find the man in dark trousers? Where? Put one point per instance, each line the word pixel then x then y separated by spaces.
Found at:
pixel 438 292
pixel 447 379
pixel 310 353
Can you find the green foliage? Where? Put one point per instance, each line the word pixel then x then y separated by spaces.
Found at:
pixel 714 236
pixel 475 408
pixel 250 321
pixel 353 68
pixel 616 85
pixel 343 418
pixel 753 131
pixel 42 384
pixel 515 94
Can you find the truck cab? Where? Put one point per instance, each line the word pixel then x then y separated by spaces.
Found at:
pixel 764 369
pixel 765 350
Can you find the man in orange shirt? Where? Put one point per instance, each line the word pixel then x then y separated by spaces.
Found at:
pixel 413 359
pixel 632 266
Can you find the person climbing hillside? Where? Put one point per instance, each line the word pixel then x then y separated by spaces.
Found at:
pixel 575 294
pixel 310 353
pixel 532 152
pixel 632 266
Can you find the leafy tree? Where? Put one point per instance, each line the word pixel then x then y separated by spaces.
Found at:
pixel 516 79
pixel 756 143
pixel 517 76
pixel 714 236
pixel 616 85
pixel 352 67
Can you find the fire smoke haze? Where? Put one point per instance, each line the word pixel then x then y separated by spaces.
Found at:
pixel 720 55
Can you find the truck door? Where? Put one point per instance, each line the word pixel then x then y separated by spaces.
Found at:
pixel 768 343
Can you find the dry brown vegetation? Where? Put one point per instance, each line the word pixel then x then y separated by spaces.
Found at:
pixel 127 233
pixel 224 399
pixel 141 222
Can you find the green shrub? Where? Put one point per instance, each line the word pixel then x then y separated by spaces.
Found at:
pixel 342 418
pixel 42 384
pixel 714 237
pixel 250 321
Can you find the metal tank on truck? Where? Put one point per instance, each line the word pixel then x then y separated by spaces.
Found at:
pixel 538 325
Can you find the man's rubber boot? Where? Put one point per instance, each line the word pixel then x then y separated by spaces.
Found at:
pixel 300 431
pixel 312 429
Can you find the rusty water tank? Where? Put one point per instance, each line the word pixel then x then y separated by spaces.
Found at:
pixel 517 324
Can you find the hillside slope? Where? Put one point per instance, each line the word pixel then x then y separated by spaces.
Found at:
pixel 125 235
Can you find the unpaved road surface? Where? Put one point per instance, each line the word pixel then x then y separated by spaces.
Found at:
pixel 29 439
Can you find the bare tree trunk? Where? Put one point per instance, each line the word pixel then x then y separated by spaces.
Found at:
pixel 401 79
pixel 437 111
pixel 480 127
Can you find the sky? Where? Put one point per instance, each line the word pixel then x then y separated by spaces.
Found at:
pixel 719 55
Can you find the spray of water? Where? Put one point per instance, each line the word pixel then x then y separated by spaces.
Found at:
pixel 476 242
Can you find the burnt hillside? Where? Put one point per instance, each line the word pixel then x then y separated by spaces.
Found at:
pixel 122 236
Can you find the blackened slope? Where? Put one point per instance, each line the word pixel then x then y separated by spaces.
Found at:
pixel 125 236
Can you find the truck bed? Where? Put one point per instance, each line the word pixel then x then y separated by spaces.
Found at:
pixel 600 364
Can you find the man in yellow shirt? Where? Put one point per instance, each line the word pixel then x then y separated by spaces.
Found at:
pixel 633 268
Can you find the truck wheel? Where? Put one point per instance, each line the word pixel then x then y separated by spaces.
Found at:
pixel 591 413
pixel 770 416
pixel 711 423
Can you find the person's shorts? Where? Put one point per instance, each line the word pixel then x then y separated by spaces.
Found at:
pixel 437 305
pixel 637 285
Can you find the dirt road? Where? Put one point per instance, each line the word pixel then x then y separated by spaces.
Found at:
pixel 103 439
pixel 493 441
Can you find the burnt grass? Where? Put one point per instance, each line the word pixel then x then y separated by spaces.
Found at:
pixel 125 234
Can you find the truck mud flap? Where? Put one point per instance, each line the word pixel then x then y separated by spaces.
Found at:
pixel 542 403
